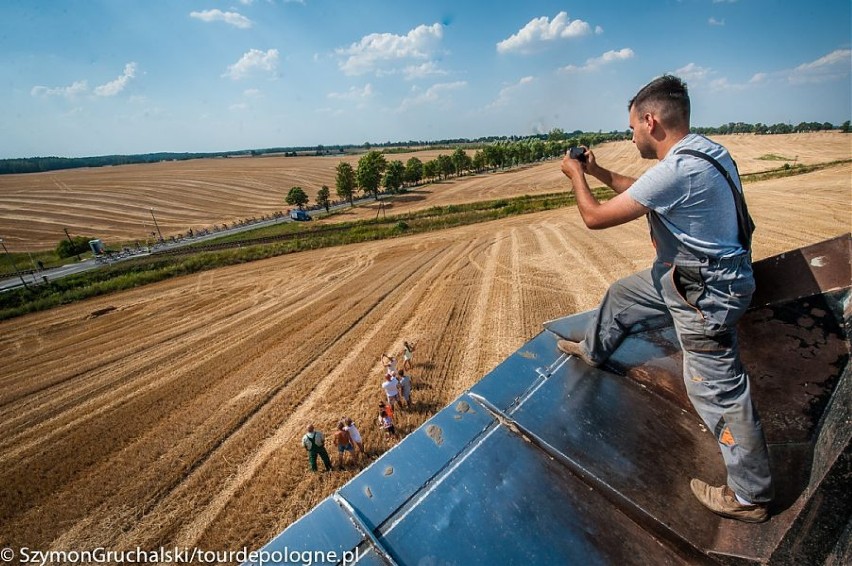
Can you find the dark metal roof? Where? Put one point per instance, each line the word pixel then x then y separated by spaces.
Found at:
pixel 549 461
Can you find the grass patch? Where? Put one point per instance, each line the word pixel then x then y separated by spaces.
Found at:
pixel 774 157
pixel 789 170
pixel 27 262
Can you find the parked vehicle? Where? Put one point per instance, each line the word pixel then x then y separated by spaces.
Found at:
pixel 300 215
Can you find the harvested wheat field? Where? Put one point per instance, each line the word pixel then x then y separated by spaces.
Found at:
pixel 115 203
pixel 171 414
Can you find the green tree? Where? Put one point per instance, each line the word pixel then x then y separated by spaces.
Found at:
pixel 556 134
pixel 445 165
pixel 430 169
pixel 478 161
pixel 413 171
pixel 845 127
pixel 324 197
pixel 296 197
pixel 369 173
pixel 345 182
pixel 394 176
pixel 461 161
pixel 77 245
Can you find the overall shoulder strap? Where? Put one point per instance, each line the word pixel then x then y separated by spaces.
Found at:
pixel 744 220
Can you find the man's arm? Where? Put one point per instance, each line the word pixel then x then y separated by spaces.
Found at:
pixel 596 215
pixel 615 181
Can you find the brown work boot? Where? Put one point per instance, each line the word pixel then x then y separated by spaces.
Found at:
pixel 575 349
pixel 722 501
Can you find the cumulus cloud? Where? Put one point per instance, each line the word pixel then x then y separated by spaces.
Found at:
pixel 542 30
pixel 114 87
pixel 378 51
pixel 829 67
pixel 78 87
pixel 715 22
pixel 232 18
pixel 693 72
pixel 252 60
pixel 432 95
pixel 596 63
pixel 427 69
pixel 507 93
pixel 354 93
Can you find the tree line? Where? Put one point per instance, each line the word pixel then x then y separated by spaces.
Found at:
pixel 375 173
pixel 41 164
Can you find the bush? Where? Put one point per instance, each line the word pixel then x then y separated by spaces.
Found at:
pixel 77 245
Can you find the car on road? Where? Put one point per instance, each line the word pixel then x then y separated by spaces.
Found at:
pixel 300 215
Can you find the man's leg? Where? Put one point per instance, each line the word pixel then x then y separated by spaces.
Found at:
pixel 325 459
pixel 312 458
pixel 629 300
pixel 716 381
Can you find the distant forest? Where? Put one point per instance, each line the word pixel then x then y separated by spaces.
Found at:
pixel 42 164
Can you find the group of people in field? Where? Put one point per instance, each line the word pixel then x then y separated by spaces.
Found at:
pixel 396 386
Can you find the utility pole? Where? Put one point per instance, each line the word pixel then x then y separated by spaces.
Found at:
pixel 156 225
pixel 12 261
pixel 72 243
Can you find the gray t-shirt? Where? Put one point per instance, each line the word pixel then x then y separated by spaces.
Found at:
pixel 693 200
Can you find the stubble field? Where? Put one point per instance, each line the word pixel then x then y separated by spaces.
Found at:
pixel 115 203
pixel 174 418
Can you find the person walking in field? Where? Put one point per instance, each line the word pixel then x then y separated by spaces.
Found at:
pixel 344 444
pixel 354 434
pixel 405 389
pixel 391 389
pixel 701 279
pixel 385 408
pixel 386 424
pixel 389 363
pixel 314 441
pixel 407 356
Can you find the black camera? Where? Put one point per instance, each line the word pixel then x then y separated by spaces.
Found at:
pixel 577 153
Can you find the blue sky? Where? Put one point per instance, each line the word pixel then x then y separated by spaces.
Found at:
pixel 94 77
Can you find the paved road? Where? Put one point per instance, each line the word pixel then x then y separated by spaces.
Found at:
pixel 86 265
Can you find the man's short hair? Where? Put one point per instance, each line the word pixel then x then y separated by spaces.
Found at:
pixel 668 97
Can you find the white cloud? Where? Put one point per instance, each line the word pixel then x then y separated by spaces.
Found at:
pixel 693 72
pixel 833 66
pixel 251 60
pixel 238 107
pixel 114 87
pixel 715 22
pixel 233 18
pixel 596 63
pixel 432 95
pixel 378 50
pixel 541 30
pixel 758 78
pixel 507 93
pixel 78 87
pixel 354 93
pixel 252 93
pixel 427 69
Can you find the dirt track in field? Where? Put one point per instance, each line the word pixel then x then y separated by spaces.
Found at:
pixel 174 418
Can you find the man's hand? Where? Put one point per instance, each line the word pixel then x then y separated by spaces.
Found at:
pixel 573 169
